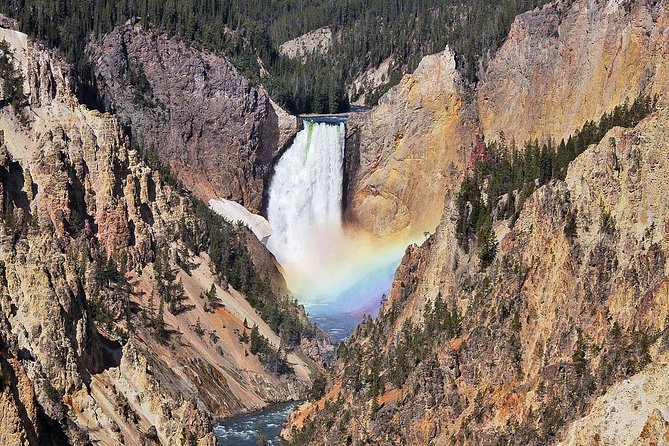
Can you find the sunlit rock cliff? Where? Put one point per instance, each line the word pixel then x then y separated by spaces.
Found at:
pixel 571 62
pixel 116 325
pixel 408 150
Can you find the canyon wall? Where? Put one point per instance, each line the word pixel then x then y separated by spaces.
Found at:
pixel 404 154
pixel 571 62
pixel 564 338
pixel 89 353
pixel 560 66
pixel 537 348
pixel 219 133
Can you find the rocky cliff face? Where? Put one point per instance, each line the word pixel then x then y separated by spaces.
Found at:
pixel 406 152
pixel 564 338
pixel 571 62
pixel 87 352
pixel 318 41
pixel 219 133
pixel 561 66
pixel 522 350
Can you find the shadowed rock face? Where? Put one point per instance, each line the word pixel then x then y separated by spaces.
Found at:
pixel 219 133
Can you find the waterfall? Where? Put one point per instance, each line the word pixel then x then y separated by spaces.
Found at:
pixel 338 274
pixel 305 197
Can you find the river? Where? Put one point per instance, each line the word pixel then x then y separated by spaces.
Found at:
pixel 249 429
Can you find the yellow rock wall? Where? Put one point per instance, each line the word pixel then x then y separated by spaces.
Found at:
pixel 412 148
pixel 564 65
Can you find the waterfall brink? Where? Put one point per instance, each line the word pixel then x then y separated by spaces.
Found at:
pixel 305 197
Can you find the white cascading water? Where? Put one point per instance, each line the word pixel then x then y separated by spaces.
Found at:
pixel 305 198
pixel 337 274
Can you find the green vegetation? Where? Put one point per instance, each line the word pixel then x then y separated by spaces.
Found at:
pixel 370 30
pixel 197 328
pixel 441 347
pixel 509 176
pixel 318 384
pixel 12 79
pixel 273 358
pixel 414 345
pixel 487 245
pixel 161 333
pixel 110 296
pixel 4 380
pixel 201 230
pixel 170 291
pixel 226 245
pixel 416 342
pixel 368 372
pixel 210 300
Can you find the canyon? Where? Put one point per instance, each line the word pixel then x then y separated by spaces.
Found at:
pixel 134 314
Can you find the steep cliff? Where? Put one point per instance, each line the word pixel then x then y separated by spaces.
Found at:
pixel 217 131
pixel 568 321
pixel 561 66
pixel 571 62
pixel 408 150
pixel 116 325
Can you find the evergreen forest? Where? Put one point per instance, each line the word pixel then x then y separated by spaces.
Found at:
pixel 366 33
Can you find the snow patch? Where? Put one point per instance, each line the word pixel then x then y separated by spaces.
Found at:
pixel 236 213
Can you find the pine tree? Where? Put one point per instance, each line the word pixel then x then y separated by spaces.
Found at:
pixel 12 78
pixel 487 244
pixel 256 341
pixel 197 328
pixel 161 332
pixel 211 297
pixel 177 298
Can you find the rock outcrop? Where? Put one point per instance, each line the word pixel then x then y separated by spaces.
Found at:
pixel 570 62
pixel 317 41
pixel 404 154
pixel 88 351
pixel 630 412
pixel 217 131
